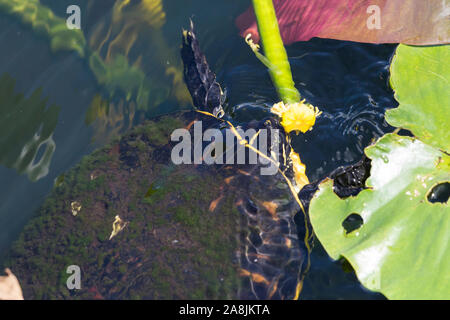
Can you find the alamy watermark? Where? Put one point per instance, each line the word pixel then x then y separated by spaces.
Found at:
pixel 227 146
pixel 374 20
pixel 74 20
pixel 74 280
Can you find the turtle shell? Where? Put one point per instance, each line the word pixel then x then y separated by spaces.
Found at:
pixel 182 231
pixel 139 226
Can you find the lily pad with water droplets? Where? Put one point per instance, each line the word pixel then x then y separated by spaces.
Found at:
pixel 402 247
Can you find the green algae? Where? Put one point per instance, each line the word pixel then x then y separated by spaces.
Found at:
pixel 119 78
pixel 117 74
pixel 43 21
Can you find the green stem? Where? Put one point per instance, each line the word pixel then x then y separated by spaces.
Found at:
pixel 280 70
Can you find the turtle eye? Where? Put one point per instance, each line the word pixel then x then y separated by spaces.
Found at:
pixel 218 112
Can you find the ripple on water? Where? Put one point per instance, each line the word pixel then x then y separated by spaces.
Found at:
pixel 348 81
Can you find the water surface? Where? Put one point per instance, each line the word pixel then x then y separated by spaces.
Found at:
pixel 347 81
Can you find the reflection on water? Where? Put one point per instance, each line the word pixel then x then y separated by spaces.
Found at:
pixel 349 83
pixel 26 130
pixel 119 48
pixel 125 67
pixel 44 22
pixel 132 57
pixel 109 119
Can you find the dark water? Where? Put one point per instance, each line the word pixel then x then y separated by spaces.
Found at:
pixel 347 81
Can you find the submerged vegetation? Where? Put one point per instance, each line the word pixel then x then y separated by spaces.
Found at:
pixel 107 49
pixel 42 19
pixel 121 71
pixel 26 130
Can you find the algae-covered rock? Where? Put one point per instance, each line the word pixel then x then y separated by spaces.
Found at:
pixel 146 228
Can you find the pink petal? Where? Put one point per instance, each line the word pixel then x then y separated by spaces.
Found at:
pixel 419 22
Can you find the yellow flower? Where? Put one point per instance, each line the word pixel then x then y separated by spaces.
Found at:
pixel 299 170
pixel 299 116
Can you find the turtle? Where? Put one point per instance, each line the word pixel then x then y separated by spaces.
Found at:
pixel 140 226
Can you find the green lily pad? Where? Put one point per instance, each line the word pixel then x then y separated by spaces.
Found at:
pixel 396 239
pixel 420 77
pixel 402 247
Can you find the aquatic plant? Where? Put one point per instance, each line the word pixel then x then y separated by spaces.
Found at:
pixel 296 115
pixel 395 233
pixel 119 78
pixel 117 67
pixel 109 119
pixel 26 128
pixel 116 36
